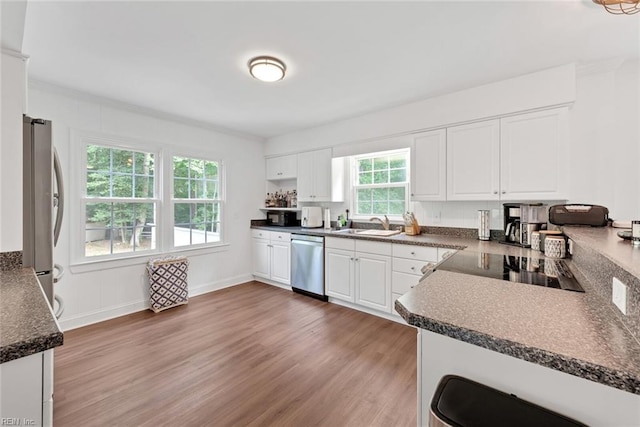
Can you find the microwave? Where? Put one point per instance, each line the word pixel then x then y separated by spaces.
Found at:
pixel 281 218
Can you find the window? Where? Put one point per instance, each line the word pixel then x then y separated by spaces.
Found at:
pixel 381 183
pixel 196 201
pixel 137 201
pixel 119 202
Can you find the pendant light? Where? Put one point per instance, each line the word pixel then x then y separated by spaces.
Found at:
pixel 267 68
pixel 620 7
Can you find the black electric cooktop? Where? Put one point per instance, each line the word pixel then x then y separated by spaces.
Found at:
pixel 551 273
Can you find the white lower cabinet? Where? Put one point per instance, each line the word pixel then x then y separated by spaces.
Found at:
pixel 359 272
pixel 339 274
pixel 26 390
pixel 272 255
pixel 408 261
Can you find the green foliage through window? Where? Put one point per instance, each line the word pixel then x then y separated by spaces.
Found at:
pixel 381 184
pixel 196 222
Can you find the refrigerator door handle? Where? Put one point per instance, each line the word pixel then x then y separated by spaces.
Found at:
pixel 60 269
pixel 59 196
pixel 60 309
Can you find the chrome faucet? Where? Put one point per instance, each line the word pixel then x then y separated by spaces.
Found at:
pixel 385 222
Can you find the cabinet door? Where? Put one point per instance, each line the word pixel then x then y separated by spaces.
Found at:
pixel 282 167
pixel 473 159
pixel 338 274
pixel 306 177
pixel 534 152
pixel 322 174
pixel 21 391
pixel 373 281
pixel 261 258
pixel 281 262
pixel 429 166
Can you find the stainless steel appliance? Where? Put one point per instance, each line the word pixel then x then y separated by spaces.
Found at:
pixel 522 219
pixel 311 217
pixel 281 218
pixel 43 205
pixel 550 273
pixel 307 265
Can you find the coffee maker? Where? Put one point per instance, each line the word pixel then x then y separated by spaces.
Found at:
pixel 521 219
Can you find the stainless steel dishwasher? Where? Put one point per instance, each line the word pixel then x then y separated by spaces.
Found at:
pixel 307 265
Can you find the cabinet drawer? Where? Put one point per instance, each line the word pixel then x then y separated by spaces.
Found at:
pixel 410 266
pixel 373 247
pixel 340 243
pixel 401 283
pixel 423 253
pixel 280 237
pixel 260 234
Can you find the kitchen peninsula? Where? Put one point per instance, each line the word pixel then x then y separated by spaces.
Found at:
pixel 552 347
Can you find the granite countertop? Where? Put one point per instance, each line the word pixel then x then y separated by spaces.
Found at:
pixel 606 242
pixel 567 331
pixel 434 240
pixel 27 325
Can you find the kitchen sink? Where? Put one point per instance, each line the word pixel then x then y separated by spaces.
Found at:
pixel 365 232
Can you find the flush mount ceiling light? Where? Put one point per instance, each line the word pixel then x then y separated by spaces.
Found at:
pixel 267 68
pixel 620 7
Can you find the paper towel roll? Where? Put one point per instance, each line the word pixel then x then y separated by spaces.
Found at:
pixel 327 218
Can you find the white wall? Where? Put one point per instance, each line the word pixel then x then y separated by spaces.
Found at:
pixel 606 139
pixel 604 134
pixel 114 290
pixel 12 90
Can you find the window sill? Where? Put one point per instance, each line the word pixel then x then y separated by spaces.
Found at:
pixel 141 259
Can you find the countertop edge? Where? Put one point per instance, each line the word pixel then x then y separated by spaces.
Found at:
pixel 614 378
pixel 391 239
pixel 27 348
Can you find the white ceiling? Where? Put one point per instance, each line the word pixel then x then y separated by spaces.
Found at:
pixel 344 58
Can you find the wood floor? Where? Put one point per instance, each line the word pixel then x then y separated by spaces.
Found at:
pixel 250 355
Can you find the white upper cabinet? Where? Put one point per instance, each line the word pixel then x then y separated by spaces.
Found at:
pixel 318 180
pixel 521 157
pixel 282 167
pixel 534 152
pixel 429 165
pixel 473 161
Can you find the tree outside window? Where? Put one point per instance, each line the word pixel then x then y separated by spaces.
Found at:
pixel 119 201
pixel 381 184
pixel 196 201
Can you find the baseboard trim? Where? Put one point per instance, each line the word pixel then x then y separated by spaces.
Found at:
pixel 388 316
pixel 112 312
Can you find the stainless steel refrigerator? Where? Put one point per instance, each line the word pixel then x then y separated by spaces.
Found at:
pixel 43 205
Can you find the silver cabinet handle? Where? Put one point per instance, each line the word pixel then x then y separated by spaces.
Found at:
pixel 413 253
pixel 495 192
pixel 413 268
pixel 351 258
pixel 504 192
pixel 446 254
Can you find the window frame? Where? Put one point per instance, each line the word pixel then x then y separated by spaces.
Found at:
pixel 77 200
pixel 172 200
pixel 355 186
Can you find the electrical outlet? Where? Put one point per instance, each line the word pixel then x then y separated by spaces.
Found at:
pixel 619 295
